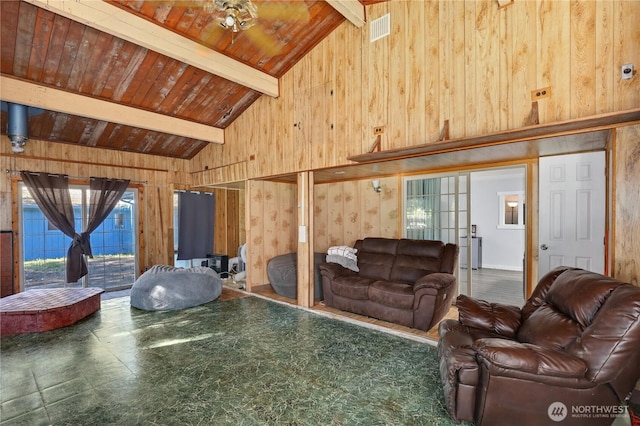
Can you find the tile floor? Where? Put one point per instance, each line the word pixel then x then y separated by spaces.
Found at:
pixel 95 376
pixel 246 361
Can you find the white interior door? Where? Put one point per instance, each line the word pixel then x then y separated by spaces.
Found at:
pixel 572 211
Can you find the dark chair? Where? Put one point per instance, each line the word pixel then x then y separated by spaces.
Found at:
pixel 572 351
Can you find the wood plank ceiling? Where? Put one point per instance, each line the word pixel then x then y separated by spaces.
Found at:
pixel 57 53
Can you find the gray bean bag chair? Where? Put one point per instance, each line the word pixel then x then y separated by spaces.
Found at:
pixel 282 271
pixel 164 288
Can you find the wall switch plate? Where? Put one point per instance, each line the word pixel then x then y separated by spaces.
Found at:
pixel 626 71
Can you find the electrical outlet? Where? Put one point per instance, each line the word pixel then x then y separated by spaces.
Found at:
pixel 378 130
pixel 626 71
pixel 537 94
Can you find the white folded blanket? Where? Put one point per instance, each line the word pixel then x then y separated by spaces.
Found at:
pixel 344 251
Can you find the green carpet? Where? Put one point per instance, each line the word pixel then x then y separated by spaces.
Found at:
pixel 246 361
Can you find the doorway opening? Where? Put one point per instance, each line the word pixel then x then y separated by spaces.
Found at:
pixel 483 212
pixel 498 238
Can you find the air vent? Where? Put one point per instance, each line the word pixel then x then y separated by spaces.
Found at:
pixel 380 27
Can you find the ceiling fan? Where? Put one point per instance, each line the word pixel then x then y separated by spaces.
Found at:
pixel 253 20
pixel 233 14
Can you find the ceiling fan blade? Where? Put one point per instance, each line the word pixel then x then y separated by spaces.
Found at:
pixel 290 10
pixel 212 33
pixel 264 41
pixel 192 4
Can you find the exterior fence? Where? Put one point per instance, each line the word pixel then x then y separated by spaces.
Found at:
pixel 42 240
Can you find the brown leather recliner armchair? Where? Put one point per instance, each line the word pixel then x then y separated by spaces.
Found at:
pixel 572 353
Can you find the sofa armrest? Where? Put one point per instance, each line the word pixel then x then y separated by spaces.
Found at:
pixel 497 318
pixel 511 358
pixel 436 281
pixel 332 270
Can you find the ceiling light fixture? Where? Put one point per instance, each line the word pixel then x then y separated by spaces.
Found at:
pixel 233 14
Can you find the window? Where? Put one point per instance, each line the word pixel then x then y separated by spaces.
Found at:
pixel 512 210
pixel 114 244
pixel 431 206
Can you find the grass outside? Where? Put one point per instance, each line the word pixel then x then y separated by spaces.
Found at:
pixel 108 271
pixel 45 265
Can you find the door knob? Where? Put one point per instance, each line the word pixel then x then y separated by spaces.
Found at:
pixel 544 247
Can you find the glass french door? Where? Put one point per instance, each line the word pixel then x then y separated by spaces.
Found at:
pixel 439 207
pixel 113 243
pixel 436 207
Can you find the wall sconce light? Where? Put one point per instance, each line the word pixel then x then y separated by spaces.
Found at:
pixel 376 185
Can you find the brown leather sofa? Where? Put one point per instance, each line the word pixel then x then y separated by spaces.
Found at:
pixel 407 282
pixel 570 356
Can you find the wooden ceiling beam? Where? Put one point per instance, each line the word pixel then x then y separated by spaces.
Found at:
pixel 127 26
pixel 353 10
pixel 35 95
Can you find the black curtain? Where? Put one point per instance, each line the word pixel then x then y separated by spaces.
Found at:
pixel 195 225
pixel 51 193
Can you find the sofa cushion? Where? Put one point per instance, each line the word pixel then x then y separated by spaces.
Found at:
pixel 376 256
pixel 415 259
pixel 352 287
pixel 389 293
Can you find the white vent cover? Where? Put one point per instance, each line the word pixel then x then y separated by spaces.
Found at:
pixel 380 27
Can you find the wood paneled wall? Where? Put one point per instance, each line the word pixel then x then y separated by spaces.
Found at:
pixel 271 226
pixel 228 218
pixel 347 211
pixel 463 61
pixel 467 62
pixel 626 205
pixel 343 213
